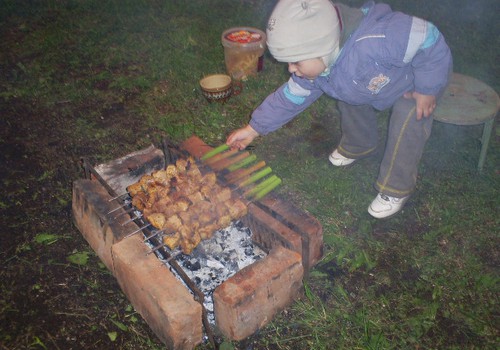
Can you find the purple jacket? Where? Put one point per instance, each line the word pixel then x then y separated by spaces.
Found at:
pixel 390 53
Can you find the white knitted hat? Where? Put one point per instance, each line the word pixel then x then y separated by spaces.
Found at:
pixel 303 29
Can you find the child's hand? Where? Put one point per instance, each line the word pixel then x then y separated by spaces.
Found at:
pixel 241 138
pixel 425 103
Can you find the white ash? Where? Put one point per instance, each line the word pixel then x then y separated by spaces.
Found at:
pixel 216 259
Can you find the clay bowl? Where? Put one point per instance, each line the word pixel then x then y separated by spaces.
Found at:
pixel 216 87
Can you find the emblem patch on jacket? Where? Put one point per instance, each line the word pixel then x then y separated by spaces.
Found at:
pixel 377 83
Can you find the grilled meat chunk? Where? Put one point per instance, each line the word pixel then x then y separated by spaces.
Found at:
pixel 237 208
pixel 171 170
pixel 157 220
pixel 173 224
pixel 209 179
pixel 139 201
pixel 135 189
pixel 188 205
pixel 172 240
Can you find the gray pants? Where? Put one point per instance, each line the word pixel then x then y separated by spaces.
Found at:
pixel 406 139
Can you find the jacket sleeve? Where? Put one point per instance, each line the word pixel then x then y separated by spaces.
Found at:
pixel 284 104
pixel 430 57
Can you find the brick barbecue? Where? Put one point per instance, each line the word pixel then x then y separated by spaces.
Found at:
pixel 243 303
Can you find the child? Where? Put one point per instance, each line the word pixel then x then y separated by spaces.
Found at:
pixel 368 59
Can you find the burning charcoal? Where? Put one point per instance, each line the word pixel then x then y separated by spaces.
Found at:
pixel 239 225
pixel 215 249
pixel 245 243
pixel 217 259
pixel 214 264
pixel 233 254
pixel 206 283
pixel 181 258
pixel 210 307
pixel 232 265
pixel 199 254
pixel 193 266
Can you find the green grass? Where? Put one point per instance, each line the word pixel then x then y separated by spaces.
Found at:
pixel 425 279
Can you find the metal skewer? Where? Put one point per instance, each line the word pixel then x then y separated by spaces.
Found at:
pixel 112 199
pixel 137 231
pixel 132 219
pixel 125 212
pixel 173 256
pixel 112 211
pixel 156 248
pixel 153 235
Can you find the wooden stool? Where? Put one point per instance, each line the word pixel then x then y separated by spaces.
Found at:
pixel 468 101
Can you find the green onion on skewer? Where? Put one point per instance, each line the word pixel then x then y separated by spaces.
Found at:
pixel 251 192
pixel 267 189
pixel 215 151
pixel 255 177
pixel 242 163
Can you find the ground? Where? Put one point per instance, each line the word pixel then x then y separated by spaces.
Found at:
pixel 48 301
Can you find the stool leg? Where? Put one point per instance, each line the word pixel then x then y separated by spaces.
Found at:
pixel 485 140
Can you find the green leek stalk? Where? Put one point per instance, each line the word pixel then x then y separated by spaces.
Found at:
pixel 267 189
pixel 242 163
pixel 251 192
pixel 215 151
pixel 255 177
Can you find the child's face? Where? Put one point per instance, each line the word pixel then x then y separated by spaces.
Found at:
pixel 308 69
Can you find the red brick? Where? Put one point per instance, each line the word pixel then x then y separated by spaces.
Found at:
pixel 90 212
pixel 252 297
pixel 124 171
pixel 302 221
pixel 195 146
pixel 161 299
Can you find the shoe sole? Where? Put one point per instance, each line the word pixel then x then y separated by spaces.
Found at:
pixel 385 217
pixel 391 215
pixel 332 160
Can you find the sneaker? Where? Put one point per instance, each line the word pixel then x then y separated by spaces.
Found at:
pixel 384 206
pixel 338 159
